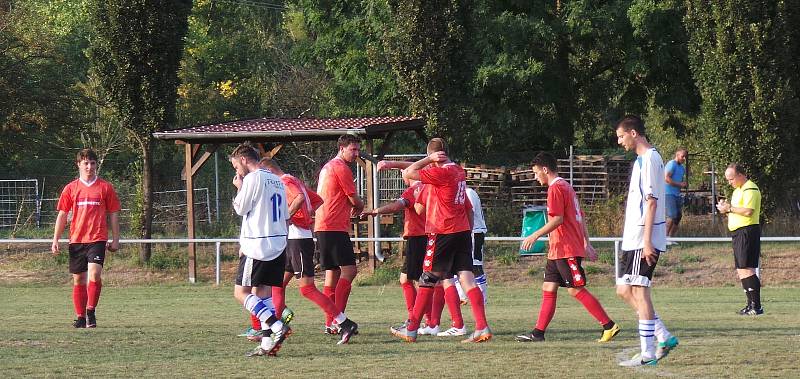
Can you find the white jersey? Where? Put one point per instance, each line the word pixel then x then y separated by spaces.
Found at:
pixel 647 180
pixel 478 223
pixel 261 202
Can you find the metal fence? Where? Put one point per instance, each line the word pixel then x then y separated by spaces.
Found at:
pixel 19 202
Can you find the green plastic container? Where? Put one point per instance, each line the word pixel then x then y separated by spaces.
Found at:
pixel 533 218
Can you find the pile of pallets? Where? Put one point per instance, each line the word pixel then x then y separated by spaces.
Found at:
pixel 619 173
pixel 489 182
pixel 589 177
pixel 525 190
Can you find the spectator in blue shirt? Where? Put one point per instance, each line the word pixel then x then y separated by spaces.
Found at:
pixel 675 176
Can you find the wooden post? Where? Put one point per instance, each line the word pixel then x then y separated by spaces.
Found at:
pixel 371 204
pixel 189 157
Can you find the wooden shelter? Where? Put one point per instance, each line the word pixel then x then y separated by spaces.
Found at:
pixel 200 143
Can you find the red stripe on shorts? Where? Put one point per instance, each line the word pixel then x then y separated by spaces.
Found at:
pixel 577 278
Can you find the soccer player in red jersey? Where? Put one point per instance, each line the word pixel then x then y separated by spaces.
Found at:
pixel 91 200
pixel 302 203
pixel 569 245
pixel 413 232
pixel 332 224
pixel 449 232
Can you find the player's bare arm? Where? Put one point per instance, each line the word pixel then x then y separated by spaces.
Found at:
pixel 61 223
pixel 412 171
pixel 114 244
pixel 393 207
pixel 296 203
pixel 393 165
pixel 551 225
pixel 649 218
pixel 358 205
pixel 591 253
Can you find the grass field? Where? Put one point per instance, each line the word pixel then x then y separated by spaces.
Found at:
pixel 190 331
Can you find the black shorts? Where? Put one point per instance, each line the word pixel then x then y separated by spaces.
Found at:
pixel 254 273
pixel 635 270
pixel 477 248
pixel 448 253
pixel 300 257
pixel 81 254
pixel 747 246
pixel 567 272
pixel 415 253
pixel 335 250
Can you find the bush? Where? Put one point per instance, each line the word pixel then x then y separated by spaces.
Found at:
pixel 592 270
pixel 503 221
pixel 691 258
pixel 383 275
pixel 606 257
pixel 508 258
pixel 678 269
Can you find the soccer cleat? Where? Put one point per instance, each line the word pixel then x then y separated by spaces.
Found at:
pixel 464 301
pixel 428 330
pixel 287 315
pixel 754 312
pixel 404 334
pixel 744 310
pixel 609 334
pixel 257 352
pixel 273 344
pixel 332 329
pixel 637 361
pixel 530 337
pixel 453 332
pixel 477 336
pixel 252 334
pixel 79 322
pixel 663 348
pixel 91 319
pixel 347 329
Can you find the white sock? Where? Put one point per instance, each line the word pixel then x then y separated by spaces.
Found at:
pixel 339 319
pixel 483 285
pixel 646 339
pixel 461 294
pixel 662 334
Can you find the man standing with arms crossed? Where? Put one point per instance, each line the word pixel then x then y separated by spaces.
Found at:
pixel 569 245
pixel 261 201
pixel 743 222
pixel 643 240
pixel 675 176
pixel 449 232
pixel 332 223
pixel 90 199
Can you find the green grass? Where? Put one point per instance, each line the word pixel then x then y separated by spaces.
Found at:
pixel 190 331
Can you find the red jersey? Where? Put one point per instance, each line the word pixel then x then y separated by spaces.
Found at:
pixel 334 186
pixel 89 204
pixel 413 223
pixel 303 217
pixel 445 199
pixel 567 239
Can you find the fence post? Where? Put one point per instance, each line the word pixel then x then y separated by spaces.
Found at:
pixel 616 261
pixel 217 263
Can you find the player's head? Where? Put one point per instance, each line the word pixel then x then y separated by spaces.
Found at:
pixel 270 165
pixel 244 155
pixel 545 168
pixel 86 160
pixel 681 154
pixel 349 147
pixel 735 175
pixel 630 130
pixel 436 144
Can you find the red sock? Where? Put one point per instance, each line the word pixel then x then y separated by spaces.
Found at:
pixel 278 300
pixel 478 311
pixel 437 305
pixel 428 311
pixel 79 298
pixel 454 306
pixel 255 323
pixel 311 292
pixel 410 294
pixel 342 293
pixel 93 294
pixel 424 297
pixel 593 306
pixel 330 292
pixel 547 310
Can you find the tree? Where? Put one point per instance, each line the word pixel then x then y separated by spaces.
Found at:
pixel 744 56
pixel 136 51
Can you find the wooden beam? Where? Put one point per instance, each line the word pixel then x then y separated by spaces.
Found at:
pixel 387 142
pixel 188 155
pixel 274 150
pixel 371 204
pixel 203 158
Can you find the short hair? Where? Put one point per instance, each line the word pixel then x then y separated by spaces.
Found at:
pixel 546 160
pixel 247 151
pixel 348 139
pixel 737 168
pixel 437 144
pixel 269 163
pixel 683 149
pixel 87 154
pixel 631 122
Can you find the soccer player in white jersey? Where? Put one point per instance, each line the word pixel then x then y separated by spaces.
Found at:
pixel 643 240
pixel 261 201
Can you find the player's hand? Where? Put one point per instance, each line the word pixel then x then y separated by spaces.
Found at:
pixel 112 246
pixel 591 253
pixel 237 181
pixel 650 255
pixel 384 165
pixel 54 248
pixel 723 206
pixel 366 214
pixel 529 241
pixel 438 156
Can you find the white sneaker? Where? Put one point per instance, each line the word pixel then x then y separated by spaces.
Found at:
pixel 637 361
pixel 428 330
pixel 453 332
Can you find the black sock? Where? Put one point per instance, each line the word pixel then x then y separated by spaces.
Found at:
pixel 608 325
pixel 748 296
pixel 538 333
pixel 753 287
